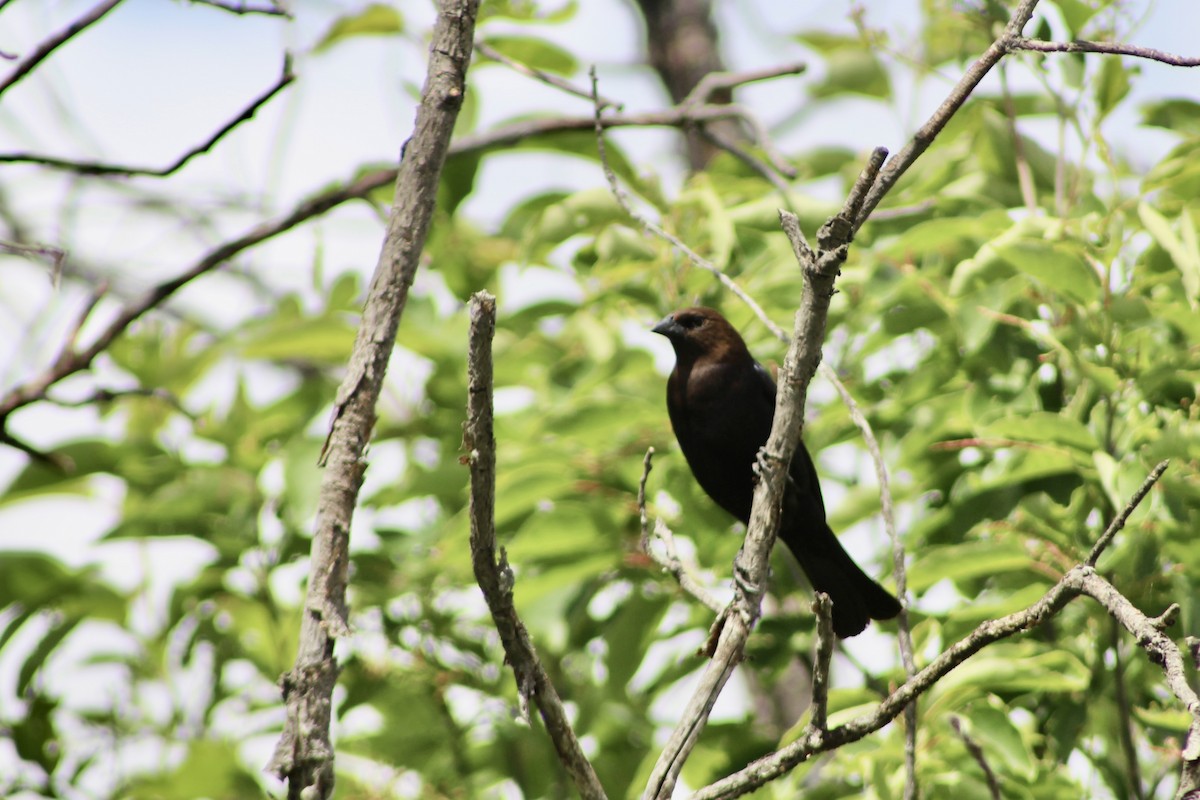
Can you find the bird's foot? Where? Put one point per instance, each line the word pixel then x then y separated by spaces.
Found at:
pixel 742 580
pixel 762 463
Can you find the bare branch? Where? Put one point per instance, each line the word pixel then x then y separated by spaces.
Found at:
pixel 102 168
pixel 1020 160
pixel 647 465
pixel 669 560
pixel 904 633
pixel 494 576
pixel 773 173
pixel 598 124
pixel 304 754
pixel 1118 523
pixel 274 9
pixel 923 138
pixel 43 50
pixel 357 188
pixel 548 78
pixel 1109 48
pixel 674 117
pixel 1079 580
pixel 715 82
pixel 56 255
pixel 977 753
pixel 56 461
pixel 823 609
pixel 72 361
pixel 751 564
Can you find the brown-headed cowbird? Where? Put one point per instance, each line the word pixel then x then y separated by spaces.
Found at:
pixel 722 403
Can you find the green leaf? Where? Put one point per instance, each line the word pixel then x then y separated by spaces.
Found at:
pixel 966 561
pixel 376 19
pixel 1057 265
pixel 1176 179
pixel 995 670
pixel 323 340
pixel 1043 427
pixel 210 769
pixel 995 732
pixel 41 653
pixel 1076 14
pixel 582 212
pixel 717 222
pixel 1183 249
pixel 1179 115
pixel 1112 85
pixel 35 736
pixel 1174 720
pixel 853 71
pixel 35 580
pixel 535 53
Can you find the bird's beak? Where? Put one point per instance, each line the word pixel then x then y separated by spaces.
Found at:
pixel 668 327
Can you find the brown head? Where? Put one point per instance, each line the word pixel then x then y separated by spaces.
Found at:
pixel 697 333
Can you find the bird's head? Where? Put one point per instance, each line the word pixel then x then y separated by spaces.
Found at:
pixel 700 332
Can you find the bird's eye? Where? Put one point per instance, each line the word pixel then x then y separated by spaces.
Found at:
pixel 691 322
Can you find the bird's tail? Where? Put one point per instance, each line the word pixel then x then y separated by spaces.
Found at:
pixel 856 598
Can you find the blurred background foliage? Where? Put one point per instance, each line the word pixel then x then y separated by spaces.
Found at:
pixel 1019 323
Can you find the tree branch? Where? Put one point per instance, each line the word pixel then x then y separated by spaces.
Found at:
pixel 43 50
pixel 1118 523
pixel 72 360
pixel 976 752
pixel 1108 48
pixel 304 754
pixel 494 576
pixel 925 135
pixel 823 609
pixel 274 9
pixel 102 168
pixel 1080 580
pixel 358 188
pixel 670 560
pixel 548 78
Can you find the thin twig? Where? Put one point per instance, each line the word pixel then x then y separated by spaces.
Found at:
pixel 548 78
pixel 670 560
pixel 923 138
pixel 1079 580
pixel 977 753
pixel 904 632
pixel 304 755
pixel 715 82
pixel 43 50
pixel 623 200
pixel 674 117
pixel 1117 524
pixel 823 609
pixel 274 9
pixel 56 255
pixel 1109 48
pixel 493 574
pixel 677 569
pixel 741 153
pixel 643 519
pixel 101 168
pixel 78 360
pixel 1125 723
pixel 361 186
pixel 57 461
pixel 1021 161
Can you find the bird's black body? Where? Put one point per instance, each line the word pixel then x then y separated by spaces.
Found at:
pixel 722 403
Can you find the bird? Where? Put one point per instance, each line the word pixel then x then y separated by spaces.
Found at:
pixel 721 403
